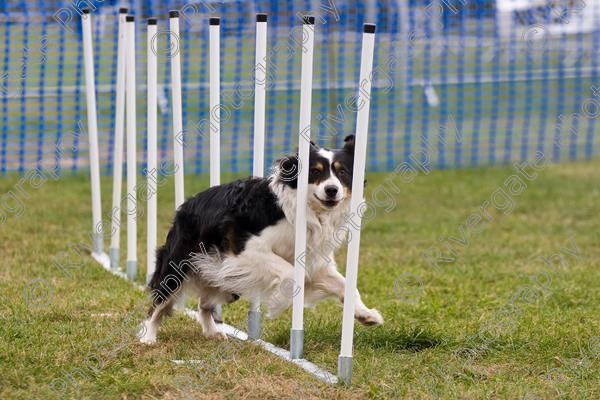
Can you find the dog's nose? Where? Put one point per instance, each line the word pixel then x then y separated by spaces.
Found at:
pixel 331 191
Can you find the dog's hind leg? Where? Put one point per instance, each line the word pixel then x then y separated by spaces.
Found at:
pixel 206 307
pixel 149 328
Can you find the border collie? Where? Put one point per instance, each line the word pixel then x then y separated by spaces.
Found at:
pixel 237 240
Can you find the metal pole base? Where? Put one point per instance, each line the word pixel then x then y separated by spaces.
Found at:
pixel 345 369
pixel 297 344
pixel 131 269
pixel 114 258
pixel 254 320
pixel 97 243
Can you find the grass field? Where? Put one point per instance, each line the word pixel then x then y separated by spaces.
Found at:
pixel 549 348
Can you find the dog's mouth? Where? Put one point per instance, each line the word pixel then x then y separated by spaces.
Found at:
pixel 328 203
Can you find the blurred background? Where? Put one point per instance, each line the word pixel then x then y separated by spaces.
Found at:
pixel 460 82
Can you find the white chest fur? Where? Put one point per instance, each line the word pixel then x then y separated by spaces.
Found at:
pixel 326 230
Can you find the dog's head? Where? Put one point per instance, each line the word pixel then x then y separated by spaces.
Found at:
pixel 329 174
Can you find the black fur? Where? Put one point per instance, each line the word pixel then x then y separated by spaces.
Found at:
pixel 221 219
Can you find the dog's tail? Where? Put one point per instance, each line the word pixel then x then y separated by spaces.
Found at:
pixel 156 289
pixel 230 274
pixel 161 256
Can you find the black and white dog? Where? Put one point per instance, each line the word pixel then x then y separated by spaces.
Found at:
pixel 237 240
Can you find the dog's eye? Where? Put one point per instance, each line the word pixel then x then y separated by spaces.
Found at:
pixel 342 173
pixel 315 172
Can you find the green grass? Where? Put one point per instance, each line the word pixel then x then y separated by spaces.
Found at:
pixel 401 359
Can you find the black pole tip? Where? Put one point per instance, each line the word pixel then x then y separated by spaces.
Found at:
pixel 261 17
pixel 85 11
pixel 123 10
pixel 130 18
pixel 369 28
pixel 173 14
pixel 214 21
pixel 308 20
pixel 152 21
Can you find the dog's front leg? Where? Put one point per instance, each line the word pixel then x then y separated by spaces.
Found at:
pixel 328 282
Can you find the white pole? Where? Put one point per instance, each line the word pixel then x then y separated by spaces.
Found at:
pixel 306 77
pixel 151 173
pixel 215 100
pixel 131 151
pixel 90 91
pixel 358 177
pixel 177 113
pixel 118 149
pixel 260 91
pixel 215 111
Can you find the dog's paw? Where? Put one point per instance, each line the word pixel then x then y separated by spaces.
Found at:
pixel 146 333
pixel 369 317
pixel 147 339
pixel 216 335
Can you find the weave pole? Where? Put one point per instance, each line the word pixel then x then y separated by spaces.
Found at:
pixel 151 173
pixel 90 92
pixel 258 165
pixel 306 77
pixel 215 100
pixel 214 33
pixel 260 92
pixel 131 150
pixel 118 149
pixel 358 177
pixel 177 112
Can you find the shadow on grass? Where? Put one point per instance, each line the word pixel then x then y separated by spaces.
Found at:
pixel 322 336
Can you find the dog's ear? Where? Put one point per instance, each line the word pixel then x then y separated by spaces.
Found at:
pixel 349 144
pixel 287 168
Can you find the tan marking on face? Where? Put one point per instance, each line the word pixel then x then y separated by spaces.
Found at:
pixel 319 166
pixel 337 165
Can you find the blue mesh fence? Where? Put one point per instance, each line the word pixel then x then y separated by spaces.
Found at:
pixel 467 83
